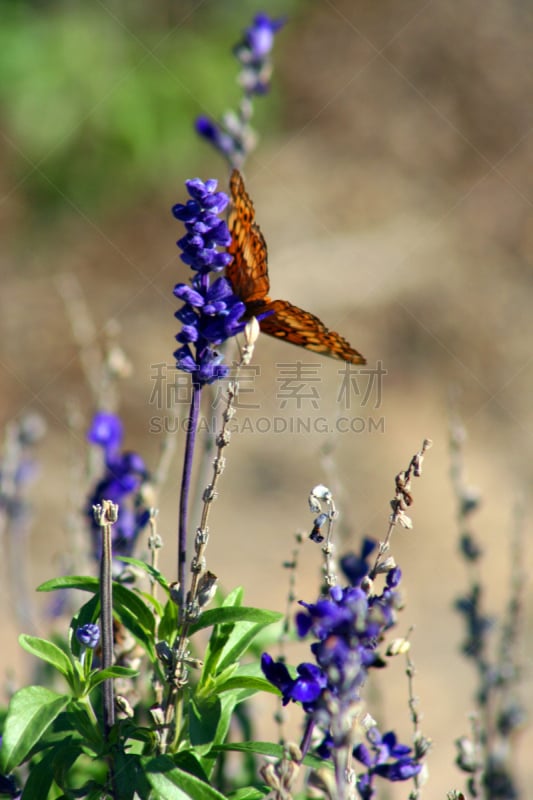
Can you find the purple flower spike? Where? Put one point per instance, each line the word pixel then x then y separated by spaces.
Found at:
pixel 233 136
pixel 124 475
pixel 211 312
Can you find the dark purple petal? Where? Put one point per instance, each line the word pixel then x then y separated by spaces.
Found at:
pixel 277 673
pixel 362 754
pixel 189 333
pixel 401 770
pixel 394 577
pixel 303 624
pixel 187 212
pixel 188 295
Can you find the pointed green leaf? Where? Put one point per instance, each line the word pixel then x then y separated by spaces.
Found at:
pixel 40 779
pixel 240 640
pixel 50 652
pixel 136 616
pixel 251 793
pixel 171 783
pixel 111 672
pixel 151 571
pixel 153 601
pixel 204 718
pixel 251 684
pixel 228 616
pixel 168 625
pixel 31 711
pixel 130 780
pixel 82 721
pixel 84 582
pixel 269 749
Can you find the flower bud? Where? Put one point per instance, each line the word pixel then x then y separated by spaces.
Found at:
pixel 88 635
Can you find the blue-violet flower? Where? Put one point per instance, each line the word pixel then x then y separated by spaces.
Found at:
pixel 211 312
pixel 124 475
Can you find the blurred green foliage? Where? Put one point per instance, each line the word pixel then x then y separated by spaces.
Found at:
pixel 98 105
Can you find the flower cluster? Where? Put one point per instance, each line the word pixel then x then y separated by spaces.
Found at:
pixel 347 626
pixel 211 312
pixel 385 758
pixel 233 137
pixel 125 474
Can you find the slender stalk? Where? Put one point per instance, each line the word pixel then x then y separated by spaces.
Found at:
pixel 306 738
pixel 186 481
pixel 107 515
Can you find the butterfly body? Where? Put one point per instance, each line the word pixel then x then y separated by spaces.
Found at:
pixel 248 275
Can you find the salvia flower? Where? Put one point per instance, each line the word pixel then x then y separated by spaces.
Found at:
pixel 88 635
pixel 234 137
pixel 210 312
pixel 124 476
pixel 386 758
pixel 347 627
pixel 305 688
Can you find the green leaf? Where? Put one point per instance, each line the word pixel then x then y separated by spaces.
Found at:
pixel 227 616
pixel 171 783
pixel 39 780
pixel 80 719
pixel 268 749
pixel 111 672
pixel 250 793
pixel 84 582
pixel 240 640
pixel 234 598
pixel 248 682
pixel 189 761
pixel 168 625
pixel 51 653
pixel 31 711
pixel 136 616
pixel 153 601
pixel 212 718
pixel 130 780
pixel 231 638
pixel 204 719
pixel 151 571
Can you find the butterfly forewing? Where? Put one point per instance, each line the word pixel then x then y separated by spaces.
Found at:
pixel 248 272
pixel 248 275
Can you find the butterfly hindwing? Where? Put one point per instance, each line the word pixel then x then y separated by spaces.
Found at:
pixel 302 328
pixel 248 275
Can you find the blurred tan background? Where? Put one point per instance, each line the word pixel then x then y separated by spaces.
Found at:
pixel 393 184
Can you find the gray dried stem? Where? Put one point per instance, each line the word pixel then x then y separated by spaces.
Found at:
pixel 402 500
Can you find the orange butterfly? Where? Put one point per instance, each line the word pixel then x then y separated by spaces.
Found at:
pixel 248 275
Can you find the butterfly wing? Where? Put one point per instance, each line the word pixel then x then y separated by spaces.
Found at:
pixel 302 328
pixel 248 275
pixel 248 272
